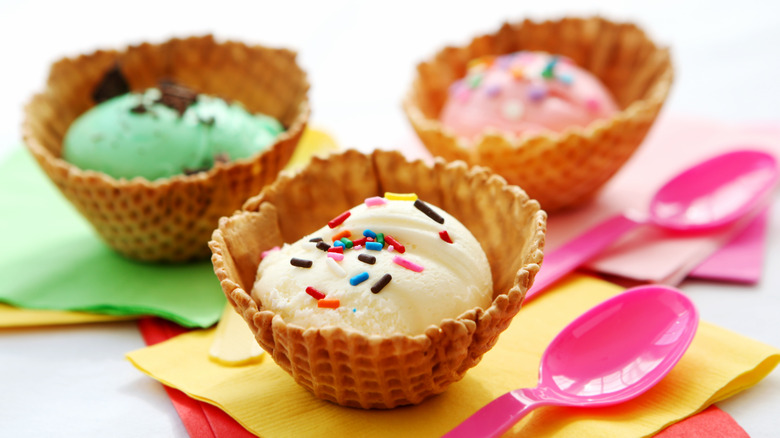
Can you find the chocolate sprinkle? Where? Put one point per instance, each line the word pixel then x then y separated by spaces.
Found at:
pixel 323 246
pixel 365 258
pixel 301 263
pixel 425 208
pixel 139 109
pixel 315 239
pixel 381 283
pixel 113 84
pixel 176 96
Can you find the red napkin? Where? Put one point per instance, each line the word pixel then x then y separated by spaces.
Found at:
pixel 200 419
pixel 204 420
pixel 709 423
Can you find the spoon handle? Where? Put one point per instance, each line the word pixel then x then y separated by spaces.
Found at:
pixel 570 256
pixel 496 417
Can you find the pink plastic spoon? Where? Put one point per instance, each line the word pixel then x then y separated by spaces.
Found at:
pixel 712 194
pixel 610 354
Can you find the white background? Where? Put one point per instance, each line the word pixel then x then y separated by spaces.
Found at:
pixel 360 57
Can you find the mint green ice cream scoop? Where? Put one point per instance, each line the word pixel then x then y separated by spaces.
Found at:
pixel 143 134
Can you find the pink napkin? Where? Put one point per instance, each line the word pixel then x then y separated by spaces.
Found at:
pixel 648 253
pixel 742 259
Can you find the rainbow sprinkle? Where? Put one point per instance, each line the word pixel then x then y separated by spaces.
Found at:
pixel 374 201
pixel 317 295
pixel 592 105
pixel 537 92
pixel 492 90
pixel 549 70
pixel 342 233
pixel 401 196
pixel 338 220
pixel 357 279
pixel 335 268
pixel 474 81
pixel 445 236
pixel 462 93
pixel 512 109
pixel 374 246
pixel 504 62
pixel 519 66
pixel 370 240
pixel 404 263
pixel 390 240
pixel 328 304
pixel 336 256
pixel 264 254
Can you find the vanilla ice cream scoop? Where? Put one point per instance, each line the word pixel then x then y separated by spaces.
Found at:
pixel 390 265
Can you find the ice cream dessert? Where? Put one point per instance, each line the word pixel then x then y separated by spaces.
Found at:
pixel 162 132
pixel 165 219
pixel 558 169
pixel 525 93
pixel 433 263
pixel 393 264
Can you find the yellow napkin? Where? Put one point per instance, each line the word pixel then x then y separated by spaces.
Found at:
pixel 15 317
pixel 266 401
pixel 313 142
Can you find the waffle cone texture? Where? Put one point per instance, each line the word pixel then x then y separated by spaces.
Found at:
pixel 558 170
pixel 345 366
pixel 170 219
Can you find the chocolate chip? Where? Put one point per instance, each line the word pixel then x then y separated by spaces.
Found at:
pixel 113 84
pixel 188 171
pixel 176 96
pixel 139 109
pixel 222 157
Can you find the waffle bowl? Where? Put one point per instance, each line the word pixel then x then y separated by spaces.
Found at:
pixel 565 169
pixel 169 219
pixel 369 371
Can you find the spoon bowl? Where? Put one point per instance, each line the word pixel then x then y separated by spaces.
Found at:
pixel 610 354
pixel 726 190
pixel 715 193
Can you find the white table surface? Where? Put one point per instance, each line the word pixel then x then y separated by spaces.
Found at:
pixel 360 57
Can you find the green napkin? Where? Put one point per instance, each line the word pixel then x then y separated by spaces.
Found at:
pixel 52 259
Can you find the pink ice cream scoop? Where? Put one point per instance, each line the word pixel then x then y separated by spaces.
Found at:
pixel 525 93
